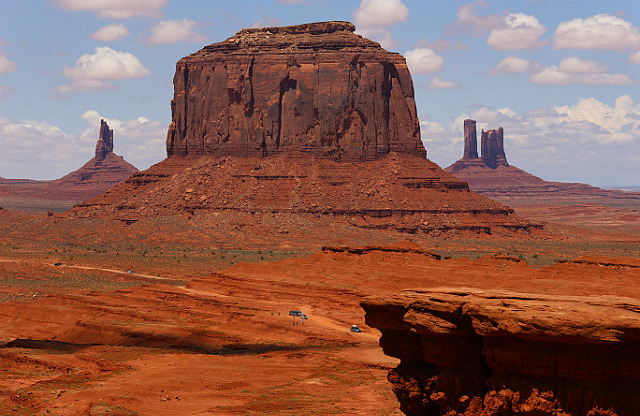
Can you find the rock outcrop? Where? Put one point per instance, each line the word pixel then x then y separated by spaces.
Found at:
pixel 492 142
pixel 479 352
pixel 312 89
pixel 491 146
pixel 104 146
pixel 470 140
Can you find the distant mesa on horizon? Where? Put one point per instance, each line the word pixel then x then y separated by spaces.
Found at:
pixel 491 175
pixel 315 89
pixel 491 146
pixel 98 175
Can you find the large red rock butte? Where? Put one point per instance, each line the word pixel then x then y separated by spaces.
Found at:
pixel 315 89
pixel 309 125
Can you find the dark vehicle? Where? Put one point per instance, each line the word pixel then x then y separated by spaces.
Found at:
pixel 295 313
pixel 57 264
pixel 354 328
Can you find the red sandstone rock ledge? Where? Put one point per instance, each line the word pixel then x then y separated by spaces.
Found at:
pixel 477 352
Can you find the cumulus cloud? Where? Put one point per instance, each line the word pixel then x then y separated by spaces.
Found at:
pixel 511 65
pixel 40 150
pixel 94 72
pixel 5 64
pixel 116 9
pixel 634 57
pixel 437 83
pixel 602 31
pixel 519 31
pixel 583 66
pixel 37 149
pixel 588 139
pixel 573 70
pixel 423 61
pixel 174 31
pixel 111 33
pixel 372 13
pixel 374 17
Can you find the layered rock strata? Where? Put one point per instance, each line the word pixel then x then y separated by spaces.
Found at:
pixel 312 89
pixel 479 352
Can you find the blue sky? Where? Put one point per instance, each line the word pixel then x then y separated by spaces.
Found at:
pixel 561 76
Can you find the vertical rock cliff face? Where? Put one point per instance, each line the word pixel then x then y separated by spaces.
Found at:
pixel 492 143
pixel 475 352
pixel 470 140
pixel 316 89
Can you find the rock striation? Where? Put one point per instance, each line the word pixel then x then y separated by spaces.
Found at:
pixel 312 89
pixel 479 352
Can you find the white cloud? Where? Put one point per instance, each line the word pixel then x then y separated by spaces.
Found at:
pixel 581 66
pixel 111 33
pixel 173 31
pixel 602 31
pixel 374 17
pixel 437 83
pixel 634 57
pixel 5 64
pixel 372 13
pixel 423 61
pixel 511 65
pixel 520 31
pixel 94 72
pixel 554 75
pixel 37 150
pixel 116 9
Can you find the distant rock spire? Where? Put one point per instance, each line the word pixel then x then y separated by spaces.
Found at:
pixel 105 142
pixel 470 140
pixel 492 146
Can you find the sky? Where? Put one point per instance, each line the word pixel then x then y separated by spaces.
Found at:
pixel 560 76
